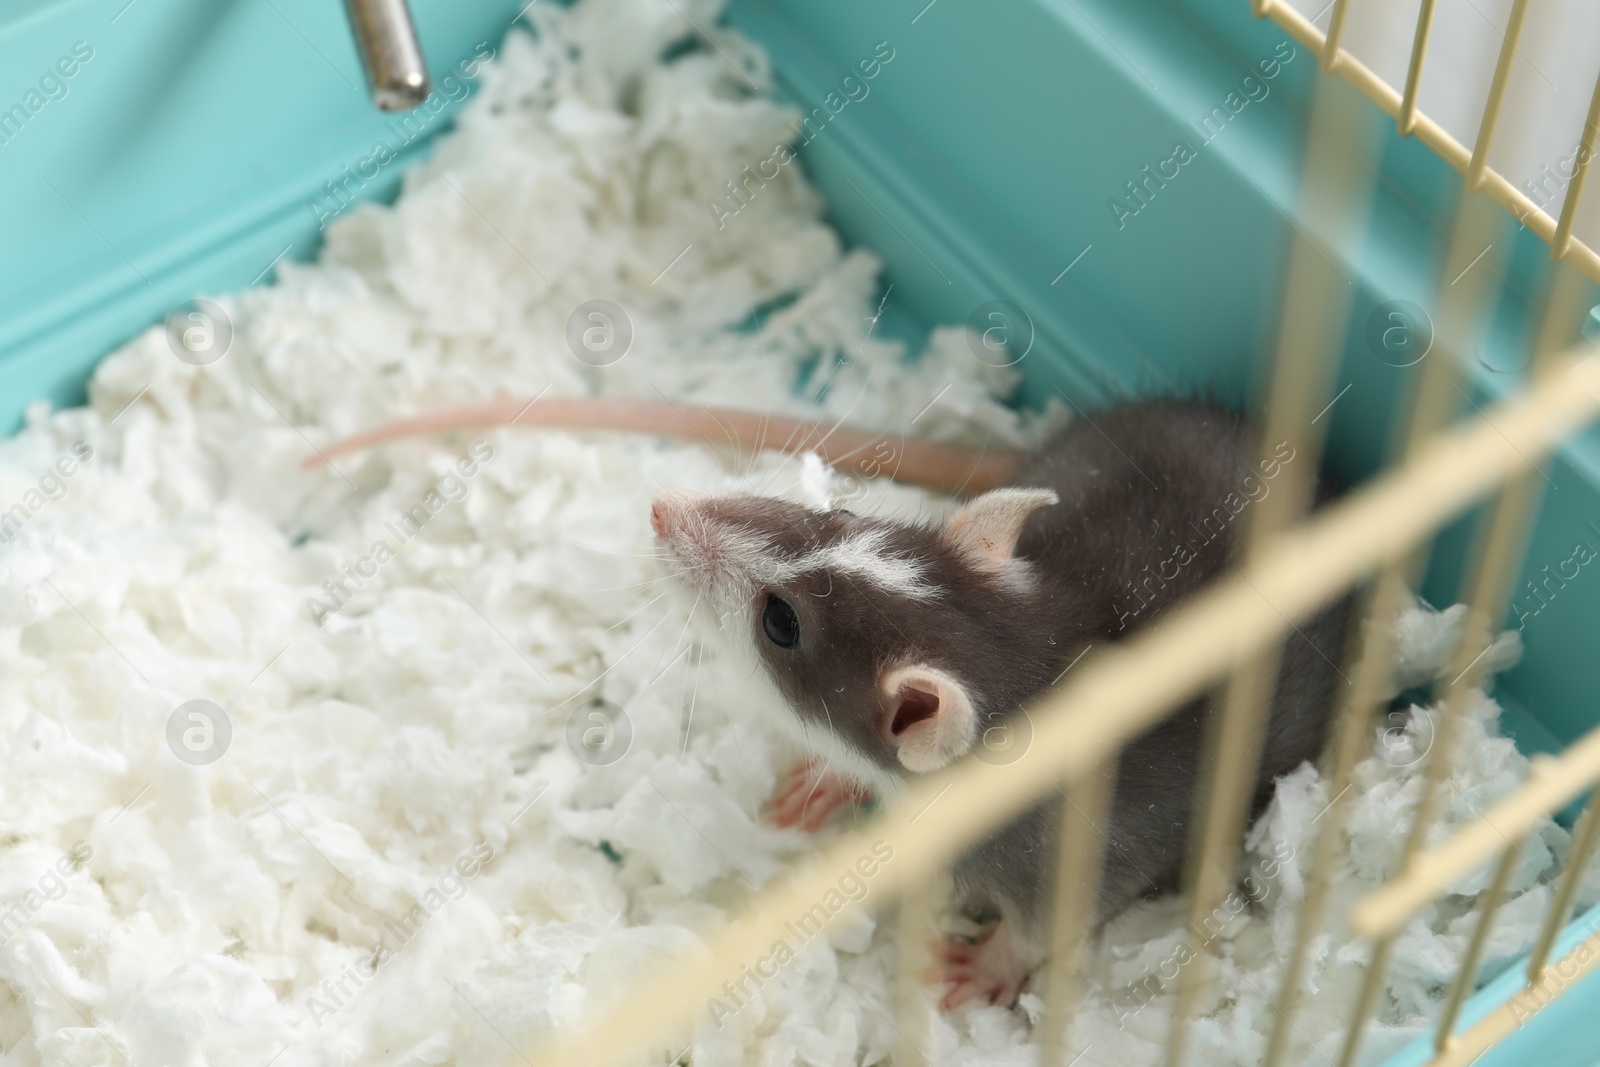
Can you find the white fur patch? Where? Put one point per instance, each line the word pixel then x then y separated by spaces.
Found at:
pixel 866 555
pixel 719 551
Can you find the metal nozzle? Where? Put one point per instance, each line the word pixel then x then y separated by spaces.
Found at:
pixel 387 39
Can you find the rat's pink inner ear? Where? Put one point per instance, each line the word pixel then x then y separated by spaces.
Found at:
pixel 986 529
pixel 931 720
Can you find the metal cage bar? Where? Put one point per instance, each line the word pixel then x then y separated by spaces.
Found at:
pixel 1493 572
pixel 1374 668
pixel 1233 752
pixel 1585 836
pixel 1333 55
pixel 1467 971
pixel 919 908
pixel 1080 862
pixel 1497 93
pixel 1561 243
pixel 1335 193
pixel 1407 118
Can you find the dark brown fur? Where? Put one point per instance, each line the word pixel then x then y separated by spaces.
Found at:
pixel 1111 532
pixel 1134 483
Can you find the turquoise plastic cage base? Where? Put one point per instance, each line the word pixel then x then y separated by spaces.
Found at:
pixel 186 151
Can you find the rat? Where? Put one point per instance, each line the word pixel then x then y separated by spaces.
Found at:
pixel 892 647
pixel 896 646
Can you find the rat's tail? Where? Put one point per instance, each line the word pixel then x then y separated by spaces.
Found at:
pixel 930 464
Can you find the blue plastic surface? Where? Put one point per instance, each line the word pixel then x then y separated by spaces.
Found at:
pixel 184 157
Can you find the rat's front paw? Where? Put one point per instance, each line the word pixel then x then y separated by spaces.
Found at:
pixel 811 793
pixel 991 968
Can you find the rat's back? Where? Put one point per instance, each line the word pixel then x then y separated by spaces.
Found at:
pixel 1155 501
pixel 1153 496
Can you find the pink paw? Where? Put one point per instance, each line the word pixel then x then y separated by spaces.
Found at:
pixel 811 794
pixel 990 969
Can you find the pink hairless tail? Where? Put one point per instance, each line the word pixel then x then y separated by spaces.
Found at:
pixel 929 464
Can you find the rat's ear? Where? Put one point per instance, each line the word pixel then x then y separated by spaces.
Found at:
pixel 986 529
pixel 931 718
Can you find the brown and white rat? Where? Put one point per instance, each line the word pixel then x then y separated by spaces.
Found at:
pixel 895 646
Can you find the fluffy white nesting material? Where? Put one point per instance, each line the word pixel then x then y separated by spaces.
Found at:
pixel 400 857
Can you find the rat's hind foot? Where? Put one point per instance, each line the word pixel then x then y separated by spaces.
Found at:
pixel 991 968
pixel 811 794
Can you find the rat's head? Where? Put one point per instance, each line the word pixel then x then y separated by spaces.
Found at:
pixel 879 635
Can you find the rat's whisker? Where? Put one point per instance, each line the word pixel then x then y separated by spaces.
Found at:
pixel 794 431
pixel 613 551
pixel 671 663
pixel 694 696
pixel 635 611
pixel 816 782
pixel 620 588
pixel 678 642
pixel 817 445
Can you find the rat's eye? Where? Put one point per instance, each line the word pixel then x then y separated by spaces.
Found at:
pixel 780 622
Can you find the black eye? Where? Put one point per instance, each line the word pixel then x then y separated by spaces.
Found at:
pixel 781 623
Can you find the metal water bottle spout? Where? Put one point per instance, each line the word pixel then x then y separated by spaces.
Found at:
pixel 387 40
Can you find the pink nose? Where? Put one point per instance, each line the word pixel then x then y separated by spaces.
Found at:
pixel 667 511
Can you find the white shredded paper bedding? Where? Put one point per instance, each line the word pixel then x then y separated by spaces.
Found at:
pixel 408 851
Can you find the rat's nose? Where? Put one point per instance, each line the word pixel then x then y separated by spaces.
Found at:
pixel 667 511
pixel 660 516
